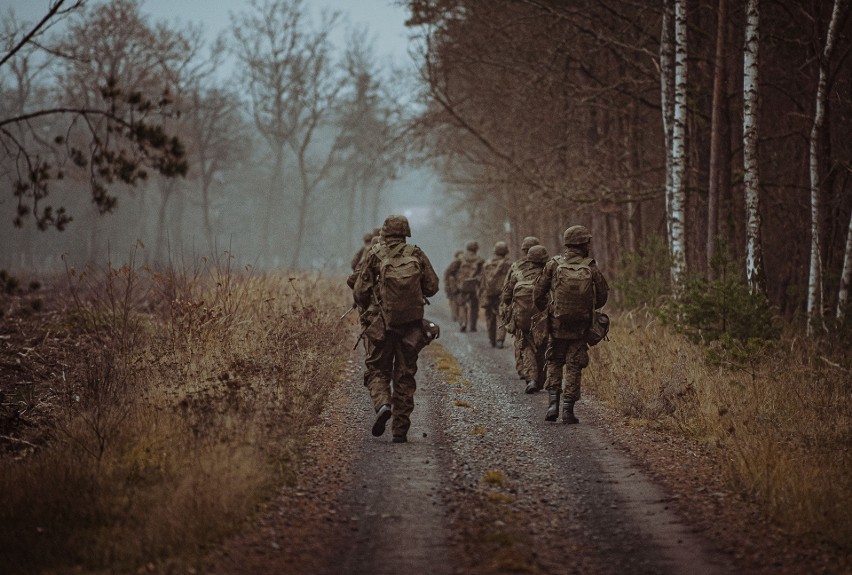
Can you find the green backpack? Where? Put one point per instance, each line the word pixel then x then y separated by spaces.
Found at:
pixel 400 294
pixel 492 277
pixel 572 292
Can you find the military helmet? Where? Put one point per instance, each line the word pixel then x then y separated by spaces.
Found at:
pixel 538 254
pixel 396 225
pixel 501 249
pixel 575 236
pixel 529 242
pixel 471 246
pixel 368 237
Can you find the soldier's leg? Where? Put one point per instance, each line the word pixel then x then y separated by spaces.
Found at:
pixel 379 364
pixel 464 302
pixel 404 386
pixel 535 381
pixel 576 358
pixel 555 357
pixel 491 322
pixel 518 344
pixel 473 311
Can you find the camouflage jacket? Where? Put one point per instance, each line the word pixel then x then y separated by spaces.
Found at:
pixel 541 291
pixel 368 277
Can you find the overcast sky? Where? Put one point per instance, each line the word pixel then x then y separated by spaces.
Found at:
pixel 384 19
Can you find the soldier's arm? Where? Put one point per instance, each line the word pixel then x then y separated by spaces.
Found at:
pixel 542 286
pixel 429 280
pixel 365 282
pixel 508 288
pixel 601 287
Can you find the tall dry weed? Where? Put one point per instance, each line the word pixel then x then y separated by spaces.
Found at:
pixel 779 418
pixel 185 400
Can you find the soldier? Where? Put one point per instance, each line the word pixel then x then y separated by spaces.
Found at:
pixel 523 320
pixel 368 240
pixel 450 287
pixel 528 242
pixel 494 272
pixel 467 279
pixel 392 285
pixel 570 288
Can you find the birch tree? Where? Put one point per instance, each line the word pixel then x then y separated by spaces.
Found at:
pixel 751 178
pixel 815 291
pixel 678 150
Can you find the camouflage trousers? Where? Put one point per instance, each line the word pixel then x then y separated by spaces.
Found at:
pixel 468 310
pixel 391 366
pixel 496 332
pixel 572 355
pixel 455 307
pixel 529 358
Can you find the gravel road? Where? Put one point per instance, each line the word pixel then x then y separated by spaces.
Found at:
pixel 484 485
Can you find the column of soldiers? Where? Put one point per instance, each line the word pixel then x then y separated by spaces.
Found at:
pixel 549 334
pixel 391 280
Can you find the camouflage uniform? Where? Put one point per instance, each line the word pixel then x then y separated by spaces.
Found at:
pixel 469 300
pixel 393 351
pixel 368 241
pixel 528 242
pixel 567 346
pixel 530 345
pixel 450 287
pixel 491 302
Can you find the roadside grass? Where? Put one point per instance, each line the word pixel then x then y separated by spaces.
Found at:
pixel 779 416
pixel 179 402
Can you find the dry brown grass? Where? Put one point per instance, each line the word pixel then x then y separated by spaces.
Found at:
pixel 182 402
pixel 781 420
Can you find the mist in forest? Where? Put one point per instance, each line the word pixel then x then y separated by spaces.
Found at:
pixel 286 161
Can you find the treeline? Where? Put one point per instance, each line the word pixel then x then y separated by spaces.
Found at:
pixel 631 118
pixel 268 140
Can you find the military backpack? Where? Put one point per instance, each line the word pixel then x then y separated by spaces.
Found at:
pixel 492 277
pixel 572 292
pixel 400 294
pixel 468 274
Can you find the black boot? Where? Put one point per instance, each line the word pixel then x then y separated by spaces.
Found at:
pixel 553 407
pixel 532 387
pixel 382 415
pixel 568 416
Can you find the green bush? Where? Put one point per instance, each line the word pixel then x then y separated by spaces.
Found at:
pixel 644 275
pixel 722 309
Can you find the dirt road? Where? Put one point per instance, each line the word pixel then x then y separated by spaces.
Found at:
pixel 484 485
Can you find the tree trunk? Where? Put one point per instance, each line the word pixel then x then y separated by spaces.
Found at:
pixel 845 278
pixel 716 135
pixel 815 294
pixel 679 157
pixel 751 177
pixel 667 104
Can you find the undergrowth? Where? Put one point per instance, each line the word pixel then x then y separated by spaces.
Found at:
pixel 778 412
pixel 183 401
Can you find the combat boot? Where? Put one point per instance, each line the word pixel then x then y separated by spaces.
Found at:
pixel 382 417
pixel 568 416
pixel 553 407
pixel 532 386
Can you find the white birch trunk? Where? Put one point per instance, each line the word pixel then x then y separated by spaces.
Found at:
pixel 815 292
pixel 667 104
pixel 678 194
pixel 845 278
pixel 751 121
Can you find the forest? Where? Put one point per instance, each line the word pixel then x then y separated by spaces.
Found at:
pixel 679 132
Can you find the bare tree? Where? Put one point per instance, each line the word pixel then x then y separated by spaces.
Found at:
pixel 111 134
pixel 677 203
pixel 716 132
pixel 815 292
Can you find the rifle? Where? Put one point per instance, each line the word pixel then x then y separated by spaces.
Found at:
pixel 348 311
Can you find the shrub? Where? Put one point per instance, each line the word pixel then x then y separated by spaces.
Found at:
pixel 644 276
pixel 723 309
